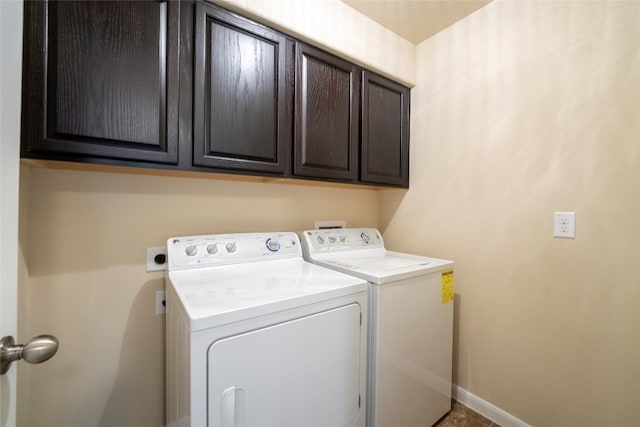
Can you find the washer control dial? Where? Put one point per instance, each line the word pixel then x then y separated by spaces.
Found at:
pixel 191 250
pixel 273 245
pixel 365 238
pixel 320 240
pixel 332 239
pixel 231 247
pixel 212 248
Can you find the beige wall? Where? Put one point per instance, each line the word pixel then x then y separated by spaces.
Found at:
pixel 84 278
pixel 520 110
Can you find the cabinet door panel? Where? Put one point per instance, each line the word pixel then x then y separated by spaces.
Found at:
pixel 240 99
pixel 326 108
pixel 385 131
pixel 100 79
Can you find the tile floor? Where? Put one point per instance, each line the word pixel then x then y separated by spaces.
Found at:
pixel 462 416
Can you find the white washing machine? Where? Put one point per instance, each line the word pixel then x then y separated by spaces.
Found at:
pixel 257 336
pixel 410 324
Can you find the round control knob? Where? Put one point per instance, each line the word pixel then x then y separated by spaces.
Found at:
pixel 342 238
pixel 212 248
pixel 191 250
pixel 365 238
pixel 231 247
pixel 332 239
pixel 320 240
pixel 273 245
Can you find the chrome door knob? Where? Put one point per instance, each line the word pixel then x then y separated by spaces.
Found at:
pixel 38 350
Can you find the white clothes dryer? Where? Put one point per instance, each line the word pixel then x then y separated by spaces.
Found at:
pixel 257 336
pixel 410 324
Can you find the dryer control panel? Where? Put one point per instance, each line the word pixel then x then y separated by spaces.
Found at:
pixel 318 241
pixel 225 249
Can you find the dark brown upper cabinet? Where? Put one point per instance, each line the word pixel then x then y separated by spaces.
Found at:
pixel 326 116
pixel 241 116
pixel 385 132
pixel 187 85
pixel 100 80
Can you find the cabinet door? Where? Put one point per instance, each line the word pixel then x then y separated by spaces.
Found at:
pixel 385 132
pixel 240 100
pixel 100 80
pixel 326 115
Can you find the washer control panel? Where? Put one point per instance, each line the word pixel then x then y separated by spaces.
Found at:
pixel 341 239
pixel 223 249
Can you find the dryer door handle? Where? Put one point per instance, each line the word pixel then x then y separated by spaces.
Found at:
pixel 232 407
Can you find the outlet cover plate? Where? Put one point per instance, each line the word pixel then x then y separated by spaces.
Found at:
pixel 152 265
pixel 161 302
pixel 564 225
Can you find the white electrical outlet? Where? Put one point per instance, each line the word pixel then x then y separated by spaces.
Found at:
pixel 564 224
pixel 161 302
pixel 156 258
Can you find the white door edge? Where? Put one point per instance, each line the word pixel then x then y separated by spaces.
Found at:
pixel 11 12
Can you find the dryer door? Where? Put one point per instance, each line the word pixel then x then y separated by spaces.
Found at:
pixel 303 372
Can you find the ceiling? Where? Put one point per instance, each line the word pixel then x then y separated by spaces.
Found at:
pixel 416 20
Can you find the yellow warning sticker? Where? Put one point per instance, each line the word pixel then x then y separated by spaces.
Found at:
pixel 447 286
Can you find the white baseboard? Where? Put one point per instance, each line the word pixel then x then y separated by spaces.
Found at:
pixel 495 414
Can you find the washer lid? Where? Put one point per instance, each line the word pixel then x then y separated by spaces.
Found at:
pixel 381 267
pixel 361 252
pixel 215 296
